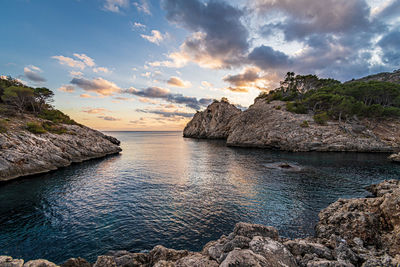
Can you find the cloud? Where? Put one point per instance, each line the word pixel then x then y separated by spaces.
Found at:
pixel 390 47
pixel 75 73
pixel 206 84
pixel 156 37
pixel 148 100
pixel 243 79
pixel 86 96
pixel 115 5
pixel 167 114
pixel 266 57
pixel 67 88
pixel 143 6
pixel 100 111
pixel 108 118
pixel 32 73
pixel 70 62
pixel 177 82
pixel 86 59
pixel 97 85
pixel 218 33
pixel 165 94
pixel 305 17
pixel 101 69
pixel 138 25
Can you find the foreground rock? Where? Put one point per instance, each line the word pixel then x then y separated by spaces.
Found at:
pixel 351 232
pixel 395 157
pixel 24 153
pixel 270 125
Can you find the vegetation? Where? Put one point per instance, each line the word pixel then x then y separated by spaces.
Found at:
pixel 3 126
pixel 35 128
pixel 331 99
pixel 304 124
pixel 17 98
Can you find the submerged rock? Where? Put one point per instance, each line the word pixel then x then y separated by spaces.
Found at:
pixel 395 157
pixel 351 232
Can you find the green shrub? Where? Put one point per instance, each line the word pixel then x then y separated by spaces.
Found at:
pixel 278 107
pixel 56 116
pixel 54 128
pixel 304 124
pixel 321 118
pixel 296 107
pixel 35 128
pixel 3 126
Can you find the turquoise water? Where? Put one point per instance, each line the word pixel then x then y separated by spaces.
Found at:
pixel 178 192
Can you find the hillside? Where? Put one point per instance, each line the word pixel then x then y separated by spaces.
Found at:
pixel 35 137
pixel 310 114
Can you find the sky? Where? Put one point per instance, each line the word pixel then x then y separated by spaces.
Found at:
pixel 148 65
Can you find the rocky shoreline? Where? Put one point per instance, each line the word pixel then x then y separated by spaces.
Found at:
pixel 24 153
pixel 270 125
pixel 350 232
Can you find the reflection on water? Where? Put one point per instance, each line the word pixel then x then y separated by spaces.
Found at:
pixel 164 189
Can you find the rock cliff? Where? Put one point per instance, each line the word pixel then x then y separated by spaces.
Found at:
pixel 351 232
pixel 24 153
pixel 213 123
pixel 270 125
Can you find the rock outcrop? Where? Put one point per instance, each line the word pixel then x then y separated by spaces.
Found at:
pixel 270 125
pixel 395 157
pixel 212 123
pixel 23 153
pixel 393 77
pixel 351 232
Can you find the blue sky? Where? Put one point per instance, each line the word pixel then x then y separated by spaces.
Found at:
pixel 149 65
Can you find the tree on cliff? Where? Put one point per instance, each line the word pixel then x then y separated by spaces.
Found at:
pixel 20 97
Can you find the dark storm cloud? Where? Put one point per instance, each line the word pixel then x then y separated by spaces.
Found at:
pixel 161 93
pixel 390 44
pixel 266 57
pixel 305 17
pixel 225 37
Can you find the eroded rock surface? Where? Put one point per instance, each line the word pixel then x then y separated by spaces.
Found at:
pixel 24 153
pixel 213 123
pixel 269 125
pixel 351 232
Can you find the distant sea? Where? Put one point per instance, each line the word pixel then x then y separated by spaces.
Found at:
pixel 178 192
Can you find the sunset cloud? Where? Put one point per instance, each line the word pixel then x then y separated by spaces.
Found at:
pixel 70 62
pixel 67 88
pixel 108 118
pixel 97 85
pixel 95 110
pixel 177 82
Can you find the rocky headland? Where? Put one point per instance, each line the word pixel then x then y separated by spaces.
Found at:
pixel 23 152
pixel 350 232
pixel 270 125
pixel 307 113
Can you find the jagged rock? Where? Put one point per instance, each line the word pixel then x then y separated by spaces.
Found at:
pixel 39 263
pixel 76 262
pixel 275 252
pixel 244 258
pixel 251 230
pixel 7 261
pixel 212 123
pixel 105 261
pixel 328 263
pixel 24 153
pixel 395 157
pixel 159 253
pixel 196 260
pixel 299 247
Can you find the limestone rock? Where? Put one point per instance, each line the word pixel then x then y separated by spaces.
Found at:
pixel 159 253
pixel 395 157
pixel 105 261
pixel 251 230
pixel 212 123
pixel 7 261
pixel 24 153
pixel 244 258
pixel 76 262
pixel 39 263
